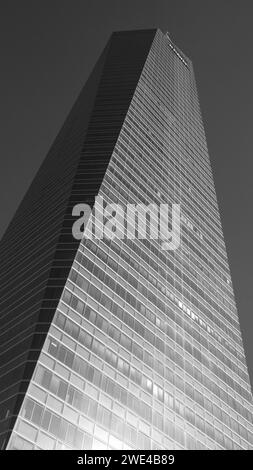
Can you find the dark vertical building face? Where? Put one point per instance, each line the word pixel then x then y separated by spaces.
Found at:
pixel 117 343
pixel 37 250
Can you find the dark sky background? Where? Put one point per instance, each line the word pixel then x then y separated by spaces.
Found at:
pixel 47 50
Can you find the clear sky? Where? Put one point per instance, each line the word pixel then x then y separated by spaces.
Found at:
pixel 47 50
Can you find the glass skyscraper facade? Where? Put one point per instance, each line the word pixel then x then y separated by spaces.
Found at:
pixel 141 347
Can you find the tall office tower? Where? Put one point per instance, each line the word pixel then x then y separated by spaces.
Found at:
pixel 118 343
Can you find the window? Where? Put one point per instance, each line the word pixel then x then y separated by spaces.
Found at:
pixel 66 296
pixel 55 425
pixel 62 391
pixel 46 420
pixel 28 408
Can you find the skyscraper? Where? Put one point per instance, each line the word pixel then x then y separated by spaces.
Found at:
pixel 118 343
